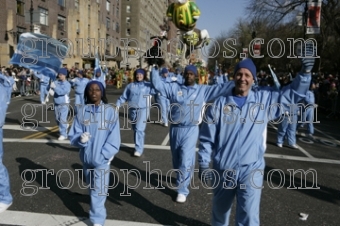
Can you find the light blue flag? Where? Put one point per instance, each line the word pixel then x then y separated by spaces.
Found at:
pixel 276 81
pixel 97 67
pixel 40 53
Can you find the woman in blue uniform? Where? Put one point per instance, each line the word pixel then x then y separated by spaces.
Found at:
pixel 95 131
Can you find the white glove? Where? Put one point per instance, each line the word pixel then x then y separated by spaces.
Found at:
pixel 110 160
pixel 173 78
pixel 51 92
pixel 117 108
pixel 85 137
pixel 52 85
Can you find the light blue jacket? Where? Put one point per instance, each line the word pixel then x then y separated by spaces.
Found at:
pixel 61 92
pixel 6 83
pixel 238 136
pixel 187 101
pixel 105 135
pixel 79 85
pixel 3 99
pixel 135 93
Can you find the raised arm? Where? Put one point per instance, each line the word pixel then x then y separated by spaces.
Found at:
pixel 159 85
pixel 217 90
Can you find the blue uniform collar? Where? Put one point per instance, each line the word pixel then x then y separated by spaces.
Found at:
pixel 250 98
pixel 94 109
pixel 190 87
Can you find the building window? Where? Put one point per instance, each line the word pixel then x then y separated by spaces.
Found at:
pixel 128 9
pixel 128 20
pixel 98 15
pixel 43 16
pixel 128 32
pixel 61 23
pixel 20 30
pixel 117 27
pixel 117 11
pixel 89 11
pixel 108 5
pixel 107 22
pixel 88 31
pixel 20 8
pixel 76 4
pixel 61 2
pixel 113 25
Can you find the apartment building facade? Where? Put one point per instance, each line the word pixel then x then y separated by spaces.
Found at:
pixel 140 20
pixel 85 25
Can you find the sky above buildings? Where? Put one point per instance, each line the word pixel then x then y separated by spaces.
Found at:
pixel 219 15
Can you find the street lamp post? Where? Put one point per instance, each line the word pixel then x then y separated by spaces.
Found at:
pixel 31 16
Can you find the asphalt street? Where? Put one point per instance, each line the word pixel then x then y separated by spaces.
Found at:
pixel 138 197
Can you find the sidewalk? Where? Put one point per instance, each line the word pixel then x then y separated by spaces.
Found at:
pixel 38 219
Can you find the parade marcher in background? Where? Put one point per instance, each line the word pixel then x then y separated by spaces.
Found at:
pixel 79 83
pixel 162 100
pixel 6 198
pixel 95 130
pixel 235 138
pixel 185 115
pixel 60 90
pixel 137 95
pixel 99 76
pixel 44 85
pixel 308 114
pixel 219 78
pixel 6 83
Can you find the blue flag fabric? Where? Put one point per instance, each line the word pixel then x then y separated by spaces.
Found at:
pixel 40 53
pixel 97 68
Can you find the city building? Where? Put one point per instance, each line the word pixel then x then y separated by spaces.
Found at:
pixel 84 24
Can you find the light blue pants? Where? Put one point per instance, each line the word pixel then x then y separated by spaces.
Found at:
pixel 308 117
pixel 61 113
pixel 183 148
pixel 5 194
pixel 43 92
pixel 138 119
pixel 165 105
pixel 287 128
pixel 99 182
pixel 246 185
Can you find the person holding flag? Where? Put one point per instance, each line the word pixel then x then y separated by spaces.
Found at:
pixel 99 74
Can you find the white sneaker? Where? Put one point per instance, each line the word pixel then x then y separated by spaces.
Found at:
pixel 97 225
pixel 47 100
pixel 279 145
pixel 181 198
pixel 137 154
pixel 166 124
pixel 43 102
pixel 4 207
pixel 294 146
pixel 62 138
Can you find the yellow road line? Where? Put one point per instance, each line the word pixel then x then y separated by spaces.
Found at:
pixel 41 134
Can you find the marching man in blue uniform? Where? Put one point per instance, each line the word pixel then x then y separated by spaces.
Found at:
pixel 187 102
pixel 235 138
pixel 60 90
pixel 79 83
pixel 137 95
